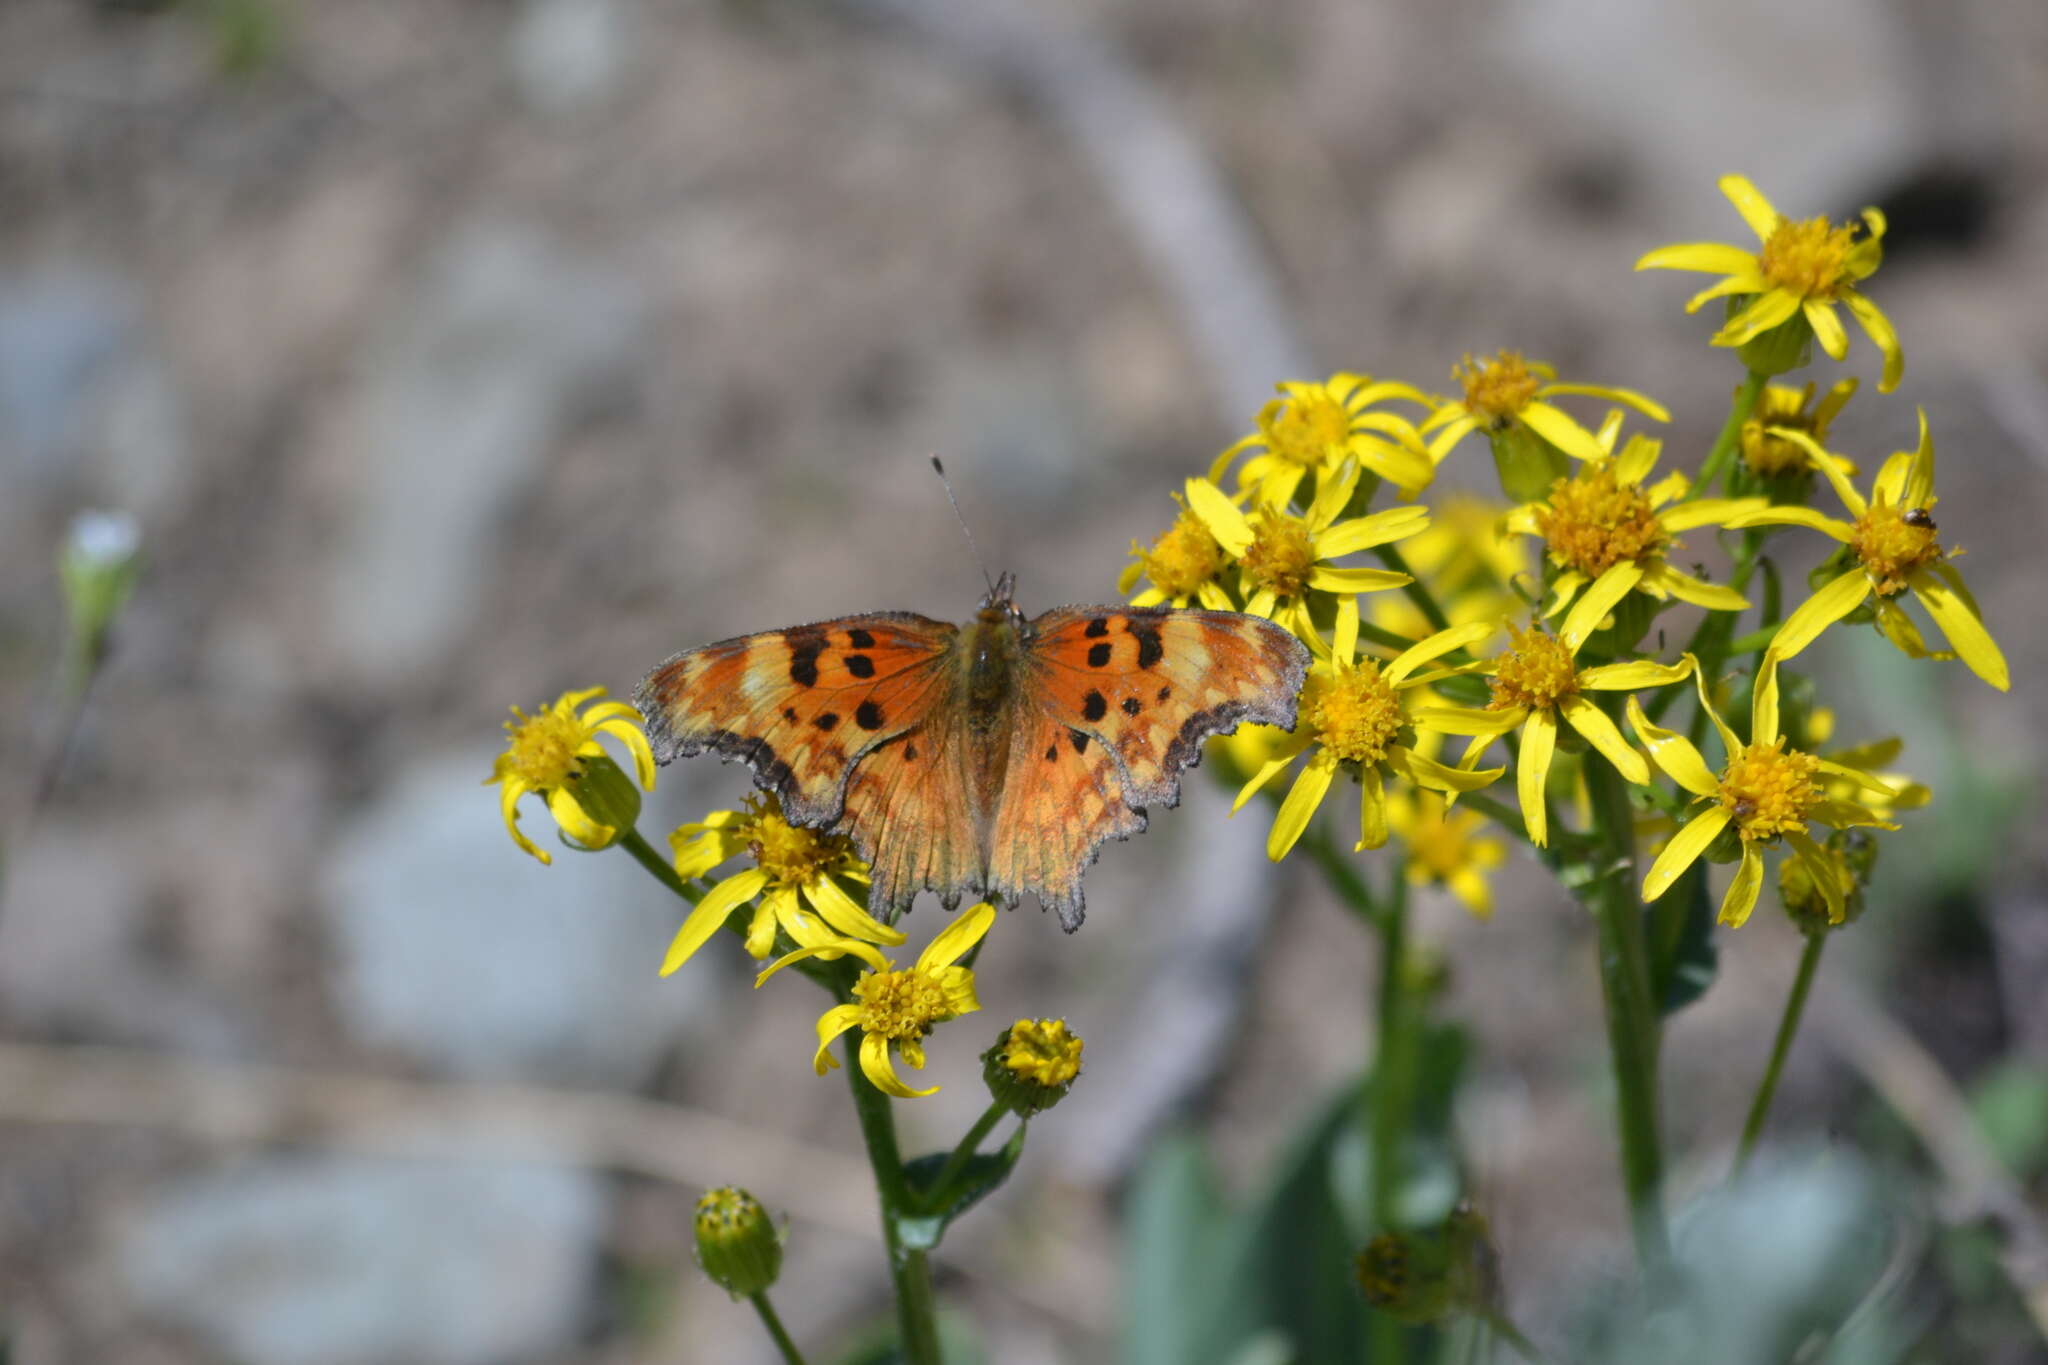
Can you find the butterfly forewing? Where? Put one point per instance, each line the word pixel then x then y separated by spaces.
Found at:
pixel 800 706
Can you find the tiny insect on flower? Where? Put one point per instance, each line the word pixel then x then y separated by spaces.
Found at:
pixel 1801 270
pixel 555 753
pixel 895 1009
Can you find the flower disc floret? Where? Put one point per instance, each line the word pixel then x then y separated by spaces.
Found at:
pixel 1183 564
pixel 902 1005
pixel 1044 1051
pixel 789 855
pixel 1807 257
pixel 1354 713
pixel 1769 790
pixel 1537 670
pixel 1282 553
pixel 1595 521
pixel 1499 389
pixel 1894 543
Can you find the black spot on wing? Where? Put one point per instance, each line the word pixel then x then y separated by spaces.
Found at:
pixel 789 714
pixel 806 643
pixel 1078 740
pixel 1094 707
pixel 1150 650
pixel 1165 692
pixel 860 665
pixel 1098 654
pixel 1132 706
pixel 868 715
pixel 1052 752
pixel 825 720
pixel 860 639
pixel 1098 626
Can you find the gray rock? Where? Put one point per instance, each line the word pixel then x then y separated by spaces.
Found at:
pixel 568 56
pixel 337 1260
pixel 509 340
pixel 461 950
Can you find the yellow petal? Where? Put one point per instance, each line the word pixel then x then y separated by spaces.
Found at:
pixel 1633 675
pixel 1707 512
pixel 1919 488
pixel 1748 282
pixel 1355 580
pixel 1712 258
pixel 1674 753
pixel 1344 634
pixel 1662 579
pixel 1590 721
pixel 1362 533
pixel 1821 869
pixel 1220 515
pixel 1267 771
pixel 1729 744
pixel 1608 589
pixel 1556 426
pixel 1742 890
pixel 1763 702
pixel 710 914
pixel 1466 720
pixel 508 803
pixel 1427 772
pixel 1827 606
pixel 1793 516
pixel 963 933
pixel 1539 744
pixel 876 1065
pixel 1827 328
pixel 1641 402
pixel 1751 204
pixel 1768 310
pixel 577 822
pixel 1945 600
pixel 1302 799
pixel 831 1024
pixel 1880 329
pixel 845 914
pixel 1683 850
pixel 1372 810
pixel 1435 646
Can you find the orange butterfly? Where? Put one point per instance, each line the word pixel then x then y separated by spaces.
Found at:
pixel 986 760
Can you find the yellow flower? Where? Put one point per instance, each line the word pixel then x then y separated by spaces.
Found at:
pixel 555 753
pixel 1355 716
pixel 1281 556
pixel 1183 565
pixel 1766 445
pixel 894 1010
pixel 1892 541
pixel 795 874
pixel 1445 847
pixel 1508 391
pixel 1313 428
pixel 1536 682
pixel 1767 792
pixel 1602 528
pixel 1802 269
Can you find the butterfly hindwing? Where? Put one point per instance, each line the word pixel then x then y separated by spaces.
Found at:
pixel 1153 683
pixel 1064 794
pixel 800 706
pixel 907 811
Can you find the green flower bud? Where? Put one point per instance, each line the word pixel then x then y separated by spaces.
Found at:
pixel 1853 854
pixel 1526 463
pixel 608 797
pixel 1032 1065
pixel 97 567
pixel 736 1244
pixel 1788 346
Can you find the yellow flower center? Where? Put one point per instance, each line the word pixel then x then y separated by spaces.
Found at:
pixel 1769 789
pixel 542 749
pixel 1769 456
pixel 1043 1051
pixel 901 1006
pixel 1281 553
pixel 1806 258
pixel 1893 542
pixel 1183 558
pixel 1535 672
pixel 1307 427
pixel 1354 713
pixel 1594 521
pixel 791 855
pixel 1496 390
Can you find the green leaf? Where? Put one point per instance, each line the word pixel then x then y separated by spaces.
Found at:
pixel 1175 1292
pixel 1683 953
pixel 983 1174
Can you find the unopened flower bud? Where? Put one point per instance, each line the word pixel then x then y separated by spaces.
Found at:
pixel 1032 1065
pixel 1785 347
pixel 608 797
pixel 1527 463
pixel 1851 854
pixel 98 567
pixel 736 1244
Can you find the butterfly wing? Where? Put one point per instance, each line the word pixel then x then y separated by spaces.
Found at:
pixel 909 813
pixel 801 706
pixel 1131 694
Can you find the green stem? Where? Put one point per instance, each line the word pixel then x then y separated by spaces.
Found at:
pixel 935 1196
pixel 1390 1095
pixel 1417 591
pixel 1795 1005
pixel 1730 439
pixel 665 873
pixel 910 1273
pixel 1633 1024
pixel 775 1328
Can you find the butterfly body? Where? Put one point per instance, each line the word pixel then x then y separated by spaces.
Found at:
pixel 989 759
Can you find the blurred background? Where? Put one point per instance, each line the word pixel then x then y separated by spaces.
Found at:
pixel 453 353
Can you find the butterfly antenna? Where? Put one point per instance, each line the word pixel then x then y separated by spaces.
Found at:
pixel 972 548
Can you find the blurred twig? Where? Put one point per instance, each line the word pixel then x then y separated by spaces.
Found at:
pixel 1974 1184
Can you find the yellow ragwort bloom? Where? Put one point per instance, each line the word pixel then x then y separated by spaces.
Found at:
pixel 1281 557
pixel 1508 390
pixel 1446 847
pixel 1768 791
pixel 1607 534
pixel 1314 428
pixel 894 1010
pixel 1893 543
pixel 1780 410
pixel 1536 682
pixel 1184 564
pixel 555 753
pixel 1355 716
pixel 1802 268
pixel 1043 1051
pixel 795 874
